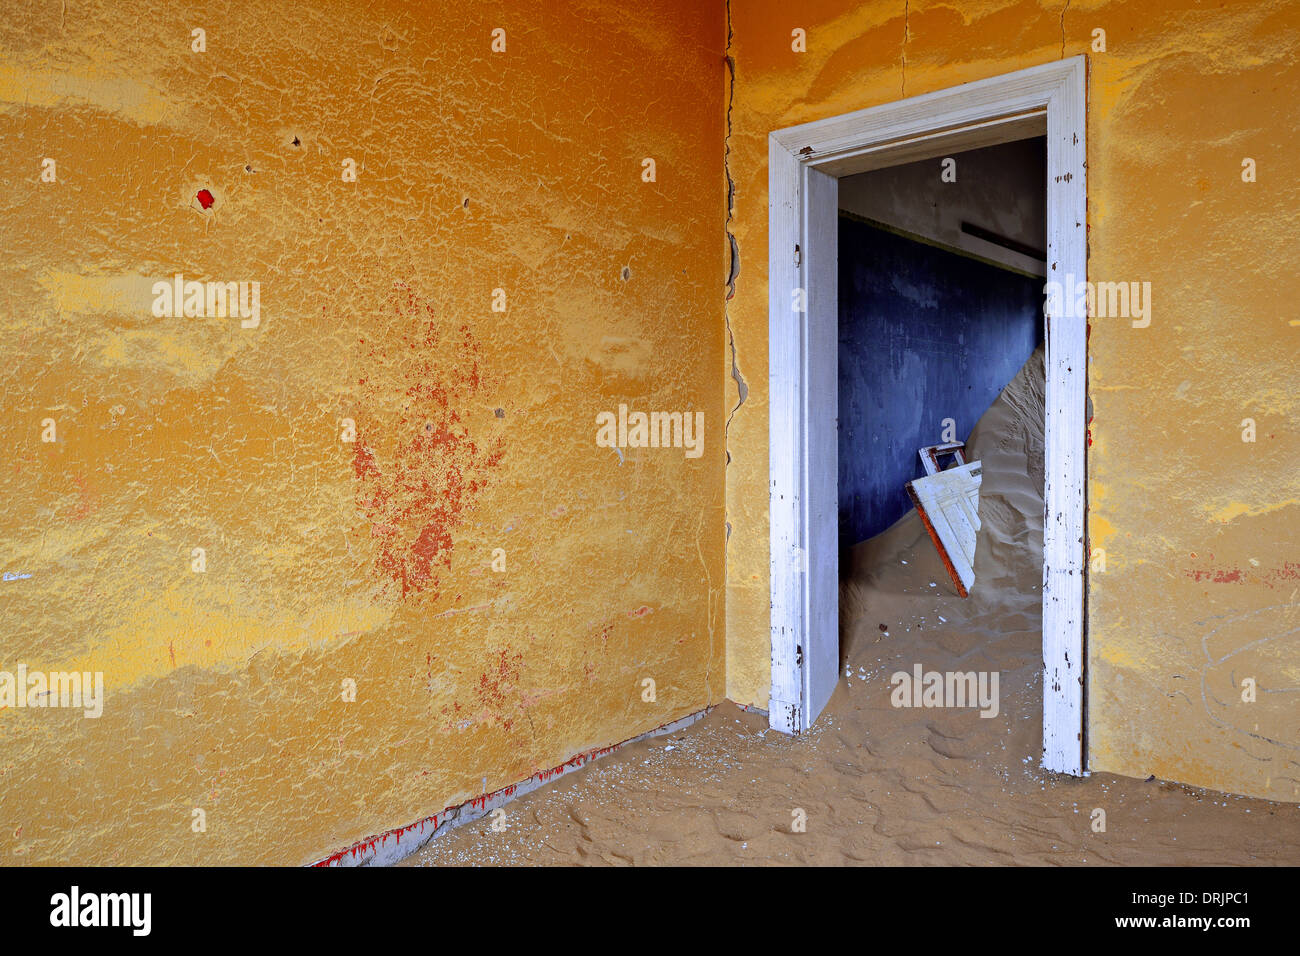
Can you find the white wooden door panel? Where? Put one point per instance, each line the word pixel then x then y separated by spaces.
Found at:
pixel 949 502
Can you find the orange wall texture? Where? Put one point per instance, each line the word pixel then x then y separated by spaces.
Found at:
pixel 498 273
pixel 1199 524
pixel 495 584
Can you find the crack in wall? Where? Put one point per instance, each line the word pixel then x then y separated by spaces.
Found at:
pixel 907 9
pixel 733 271
pixel 1063 11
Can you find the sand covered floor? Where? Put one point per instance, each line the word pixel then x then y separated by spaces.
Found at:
pixel 887 785
pixel 875 792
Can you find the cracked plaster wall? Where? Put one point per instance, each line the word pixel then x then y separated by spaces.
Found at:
pixel 1201 531
pixel 372 560
pixel 328 561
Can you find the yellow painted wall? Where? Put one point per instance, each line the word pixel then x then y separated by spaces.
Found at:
pixel 371 560
pixel 1201 530
pixel 328 560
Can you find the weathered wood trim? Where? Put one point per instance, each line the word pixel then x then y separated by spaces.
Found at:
pixel 785 438
pixel 1047 99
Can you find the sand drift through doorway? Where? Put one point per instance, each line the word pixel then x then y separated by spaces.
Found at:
pixel 805 164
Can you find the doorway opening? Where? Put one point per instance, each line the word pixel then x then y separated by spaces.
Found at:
pixel 942 264
pixel 808 166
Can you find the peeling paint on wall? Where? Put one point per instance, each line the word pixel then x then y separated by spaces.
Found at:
pixel 438 605
pixel 419 489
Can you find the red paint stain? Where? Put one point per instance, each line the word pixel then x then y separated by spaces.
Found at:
pixel 1217 575
pixel 1288 572
pixel 205 198
pixel 496 685
pixel 87 499
pixel 642 611
pixel 418 470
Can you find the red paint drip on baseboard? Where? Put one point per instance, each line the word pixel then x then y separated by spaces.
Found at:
pixel 366 847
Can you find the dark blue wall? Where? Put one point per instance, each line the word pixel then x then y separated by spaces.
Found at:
pixel 925 334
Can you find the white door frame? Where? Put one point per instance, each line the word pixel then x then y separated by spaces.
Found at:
pixel 804 166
